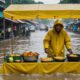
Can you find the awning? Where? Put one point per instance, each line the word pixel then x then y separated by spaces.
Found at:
pixel 31 11
pixel 20 21
pixel 14 21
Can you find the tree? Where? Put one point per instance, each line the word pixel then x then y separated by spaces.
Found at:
pixel 70 1
pixel 23 2
pixel 8 2
pixel 40 2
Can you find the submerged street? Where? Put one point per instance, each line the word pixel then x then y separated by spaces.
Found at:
pixel 34 43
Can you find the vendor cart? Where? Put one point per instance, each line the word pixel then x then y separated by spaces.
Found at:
pixel 43 11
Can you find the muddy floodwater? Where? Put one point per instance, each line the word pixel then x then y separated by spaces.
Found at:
pixel 35 43
pixel 41 77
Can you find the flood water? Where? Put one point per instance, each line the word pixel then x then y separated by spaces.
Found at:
pixel 35 43
pixel 41 77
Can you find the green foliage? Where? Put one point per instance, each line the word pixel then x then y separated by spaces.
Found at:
pixel 70 1
pixel 8 2
pixel 24 2
pixel 40 2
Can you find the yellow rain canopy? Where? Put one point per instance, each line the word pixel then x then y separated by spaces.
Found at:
pixel 32 11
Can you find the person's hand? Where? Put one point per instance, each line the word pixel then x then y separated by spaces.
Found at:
pixel 48 54
pixel 47 50
pixel 51 55
pixel 70 51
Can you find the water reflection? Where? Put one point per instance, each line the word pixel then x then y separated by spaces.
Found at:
pixel 41 77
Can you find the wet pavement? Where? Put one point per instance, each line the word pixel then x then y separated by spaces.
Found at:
pixel 35 43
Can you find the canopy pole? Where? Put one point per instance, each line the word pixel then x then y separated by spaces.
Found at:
pixel 4 53
pixel 4 27
pixel 12 36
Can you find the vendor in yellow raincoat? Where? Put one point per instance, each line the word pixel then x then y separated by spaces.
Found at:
pixel 56 39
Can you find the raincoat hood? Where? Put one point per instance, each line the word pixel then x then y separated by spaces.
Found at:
pixel 58 22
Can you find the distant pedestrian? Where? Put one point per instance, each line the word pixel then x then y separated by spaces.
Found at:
pixel 23 31
pixel 14 30
pixel 28 32
pixel 46 28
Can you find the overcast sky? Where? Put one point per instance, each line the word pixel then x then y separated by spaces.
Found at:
pixel 49 1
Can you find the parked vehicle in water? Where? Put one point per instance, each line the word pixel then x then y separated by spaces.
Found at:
pixel 32 28
pixel 46 28
pixel 42 27
pixel 69 26
pixel 74 27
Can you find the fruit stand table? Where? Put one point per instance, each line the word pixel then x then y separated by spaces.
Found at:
pixel 40 68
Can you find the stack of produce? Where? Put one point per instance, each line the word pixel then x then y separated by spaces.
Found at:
pixel 59 59
pixel 30 56
pixel 46 59
pixel 13 58
pixel 73 57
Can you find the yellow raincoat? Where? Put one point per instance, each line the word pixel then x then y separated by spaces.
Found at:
pixel 55 42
